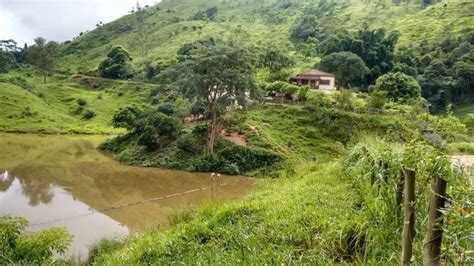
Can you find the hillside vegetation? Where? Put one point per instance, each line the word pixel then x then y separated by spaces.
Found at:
pixel 170 24
pixel 319 208
pixel 60 106
pixel 333 167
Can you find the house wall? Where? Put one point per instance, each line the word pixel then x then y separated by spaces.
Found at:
pixel 330 86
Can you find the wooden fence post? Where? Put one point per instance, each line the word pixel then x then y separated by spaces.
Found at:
pixel 408 217
pixel 434 236
pixel 400 182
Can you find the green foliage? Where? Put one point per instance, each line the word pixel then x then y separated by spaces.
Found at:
pixel 210 14
pixel 307 28
pixel 348 68
pixel 190 143
pixel 7 61
pixel 217 74
pixel 398 86
pixel 88 115
pixel 303 93
pixel 118 64
pixel 20 247
pixel 381 162
pixel 275 60
pixel 81 102
pixel 281 86
pixel 43 55
pixel 343 99
pixel 127 117
pixel 104 246
pixel 244 159
pixel 377 99
pixel 21 82
pixel 235 122
pixel 374 47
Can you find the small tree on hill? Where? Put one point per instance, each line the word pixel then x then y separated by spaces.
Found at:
pixel 43 55
pixel 398 86
pixel 348 67
pixel 216 74
pixel 118 64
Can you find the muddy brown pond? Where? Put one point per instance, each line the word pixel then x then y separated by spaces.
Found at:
pixel 65 181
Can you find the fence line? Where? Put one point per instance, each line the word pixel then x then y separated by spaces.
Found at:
pixel 138 203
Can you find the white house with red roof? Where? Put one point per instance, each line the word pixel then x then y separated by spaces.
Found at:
pixel 316 79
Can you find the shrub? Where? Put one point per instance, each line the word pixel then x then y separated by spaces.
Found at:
pixel 280 86
pixel 88 115
pixel 17 246
pixel 344 99
pixel 303 93
pixel 377 99
pixel 118 64
pixel 27 112
pixel 246 159
pixel 166 108
pixel 320 100
pixel 189 143
pixel 127 117
pixel 202 131
pixel 81 102
pixel 78 110
pixel 104 246
pixel 398 86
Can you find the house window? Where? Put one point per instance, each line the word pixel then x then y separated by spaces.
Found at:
pixel 324 82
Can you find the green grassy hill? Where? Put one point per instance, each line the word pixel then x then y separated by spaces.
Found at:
pixel 31 106
pixel 169 25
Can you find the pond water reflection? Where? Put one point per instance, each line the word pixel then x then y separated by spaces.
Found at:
pixel 65 181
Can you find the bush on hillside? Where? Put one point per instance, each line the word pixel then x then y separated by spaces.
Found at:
pixel 88 115
pixel 377 99
pixel 398 86
pixel 81 102
pixel 118 64
pixel 245 158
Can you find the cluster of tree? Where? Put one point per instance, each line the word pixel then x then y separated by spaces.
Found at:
pixel 210 14
pixel 152 127
pixel 374 47
pixel 445 70
pixel 117 65
pixel 42 54
pixel 10 55
pixel 218 74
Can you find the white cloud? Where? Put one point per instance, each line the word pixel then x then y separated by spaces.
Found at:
pixel 59 20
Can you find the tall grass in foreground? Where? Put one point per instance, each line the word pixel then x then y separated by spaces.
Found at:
pixel 375 170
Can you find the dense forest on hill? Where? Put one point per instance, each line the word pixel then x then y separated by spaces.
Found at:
pixel 192 85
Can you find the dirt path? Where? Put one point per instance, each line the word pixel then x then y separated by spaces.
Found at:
pixel 238 139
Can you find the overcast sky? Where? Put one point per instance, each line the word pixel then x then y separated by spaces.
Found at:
pixel 58 20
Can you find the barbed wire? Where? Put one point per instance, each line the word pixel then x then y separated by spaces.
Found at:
pixel 137 203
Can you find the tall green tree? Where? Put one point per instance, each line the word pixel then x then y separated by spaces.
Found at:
pixel 219 75
pixel 118 64
pixel 43 55
pixel 348 68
